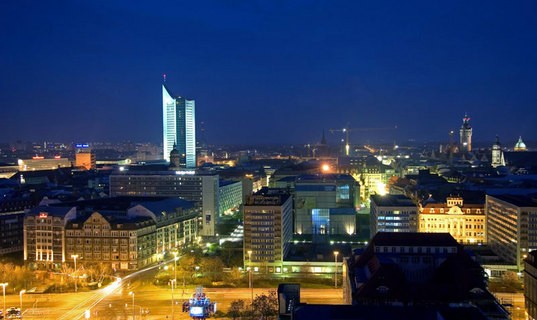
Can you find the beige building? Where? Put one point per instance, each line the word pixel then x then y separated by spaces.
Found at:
pixel 126 233
pixel 512 227
pixel 86 159
pixel 465 222
pixel 268 229
pixel 40 163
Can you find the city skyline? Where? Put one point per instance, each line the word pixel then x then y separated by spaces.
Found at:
pixel 264 72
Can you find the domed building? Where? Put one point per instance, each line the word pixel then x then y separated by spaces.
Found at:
pixel 520 145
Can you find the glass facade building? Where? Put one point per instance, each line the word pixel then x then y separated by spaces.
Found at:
pixel 179 128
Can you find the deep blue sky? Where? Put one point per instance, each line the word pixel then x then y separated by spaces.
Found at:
pixel 268 71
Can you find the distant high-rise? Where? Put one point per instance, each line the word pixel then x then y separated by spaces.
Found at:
pixel 179 128
pixel 466 135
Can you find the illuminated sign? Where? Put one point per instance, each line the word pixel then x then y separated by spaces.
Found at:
pixel 38 158
pixel 43 215
pixel 196 312
pixel 185 172
pixel 82 145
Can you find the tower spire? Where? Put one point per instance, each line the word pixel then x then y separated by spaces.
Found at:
pixel 164 77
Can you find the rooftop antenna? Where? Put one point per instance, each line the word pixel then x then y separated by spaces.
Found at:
pixel 164 77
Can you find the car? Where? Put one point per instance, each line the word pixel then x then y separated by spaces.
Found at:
pixel 13 313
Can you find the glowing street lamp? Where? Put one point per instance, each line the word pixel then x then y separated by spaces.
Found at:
pixel 175 265
pixel 251 277
pixel 133 310
pixel 4 285
pixel 173 302
pixel 335 268
pixel 20 294
pixel 75 256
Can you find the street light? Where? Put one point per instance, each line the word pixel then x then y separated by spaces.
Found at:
pixel 335 268
pixel 133 311
pixel 75 256
pixel 251 277
pixel 21 293
pixel 173 302
pixel 174 265
pixel 4 285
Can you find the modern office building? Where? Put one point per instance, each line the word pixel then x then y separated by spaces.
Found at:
pixel 229 196
pixel 316 199
pixel 268 220
pixel 179 127
pixel 464 221
pixel 84 157
pixel 511 227
pixel 203 190
pixel 393 213
pixel 530 284
pixel 11 236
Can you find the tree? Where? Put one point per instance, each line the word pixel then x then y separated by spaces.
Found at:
pixel 212 267
pixel 236 309
pixel 235 276
pixel 266 305
pixel 185 266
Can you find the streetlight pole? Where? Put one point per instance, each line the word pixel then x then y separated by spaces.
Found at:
pixel 173 302
pixel 75 256
pixel 251 277
pixel 133 310
pixel 4 285
pixel 21 293
pixel 174 265
pixel 335 268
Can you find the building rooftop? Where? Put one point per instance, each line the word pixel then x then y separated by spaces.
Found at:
pixel 391 200
pixel 518 200
pixel 413 239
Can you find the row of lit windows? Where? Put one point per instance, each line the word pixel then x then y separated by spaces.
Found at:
pixel 397 249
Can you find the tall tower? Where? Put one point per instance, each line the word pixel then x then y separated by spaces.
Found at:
pixel 466 135
pixel 179 127
pixel 497 154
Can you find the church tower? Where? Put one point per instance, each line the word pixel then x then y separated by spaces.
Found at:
pixel 497 154
pixel 466 135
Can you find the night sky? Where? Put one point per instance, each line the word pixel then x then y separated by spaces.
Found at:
pixel 268 71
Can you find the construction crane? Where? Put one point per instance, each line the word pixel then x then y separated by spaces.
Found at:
pixel 347 130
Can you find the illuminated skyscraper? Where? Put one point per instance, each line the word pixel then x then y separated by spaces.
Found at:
pixel 179 127
pixel 466 135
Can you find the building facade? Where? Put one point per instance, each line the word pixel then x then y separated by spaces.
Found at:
pixel 465 222
pixel 44 235
pixel 497 154
pixel 11 236
pixel 229 196
pixel 84 157
pixel 315 198
pixel 125 233
pixel 511 227
pixel 530 284
pixel 268 220
pixel 200 189
pixel 393 213
pixel 179 127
